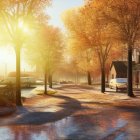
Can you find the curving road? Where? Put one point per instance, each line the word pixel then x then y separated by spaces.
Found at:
pixel 75 113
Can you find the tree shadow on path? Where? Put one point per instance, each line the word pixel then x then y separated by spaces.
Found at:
pixel 38 115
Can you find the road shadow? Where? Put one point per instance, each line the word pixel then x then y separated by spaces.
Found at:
pixel 114 91
pixel 75 87
pixel 37 115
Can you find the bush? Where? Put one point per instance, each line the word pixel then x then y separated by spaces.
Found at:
pixel 51 92
pixel 5 101
pixel 7 95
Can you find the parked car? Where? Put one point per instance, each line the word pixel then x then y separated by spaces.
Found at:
pixel 118 84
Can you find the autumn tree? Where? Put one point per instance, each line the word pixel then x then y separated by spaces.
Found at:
pixel 124 17
pixel 78 41
pixel 83 56
pixel 15 14
pixel 86 25
pixel 100 36
pixel 47 47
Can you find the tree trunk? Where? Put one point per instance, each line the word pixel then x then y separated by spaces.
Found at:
pixel 103 79
pixel 18 84
pixel 89 78
pixel 107 77
pixel 129 73
pixel 45 82
pixel 76 77
pixel 50 80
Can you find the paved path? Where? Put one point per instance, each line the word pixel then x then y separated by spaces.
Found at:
pixel 75 113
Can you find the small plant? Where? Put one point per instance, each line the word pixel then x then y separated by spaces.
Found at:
pixel 5 101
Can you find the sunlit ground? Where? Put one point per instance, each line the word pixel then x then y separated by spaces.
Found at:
pixel 74 113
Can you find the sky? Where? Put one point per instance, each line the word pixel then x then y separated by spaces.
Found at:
pixel 7 54
pixel 58 7
pixel 8 61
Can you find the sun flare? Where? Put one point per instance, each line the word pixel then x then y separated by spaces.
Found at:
pixel 24 27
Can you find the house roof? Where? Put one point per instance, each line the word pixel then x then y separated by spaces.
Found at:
pixel 120 66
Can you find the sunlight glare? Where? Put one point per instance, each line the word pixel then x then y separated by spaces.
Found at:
pixel 23 26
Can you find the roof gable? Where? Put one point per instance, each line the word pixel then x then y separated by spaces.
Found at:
pixel 120 66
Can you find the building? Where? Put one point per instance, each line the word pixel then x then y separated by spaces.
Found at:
pixel 118 69
pixel 136 69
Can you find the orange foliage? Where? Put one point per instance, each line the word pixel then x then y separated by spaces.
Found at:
pixel 47 47
pixel 89 33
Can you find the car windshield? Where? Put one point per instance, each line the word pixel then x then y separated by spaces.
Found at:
pixel 121 80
